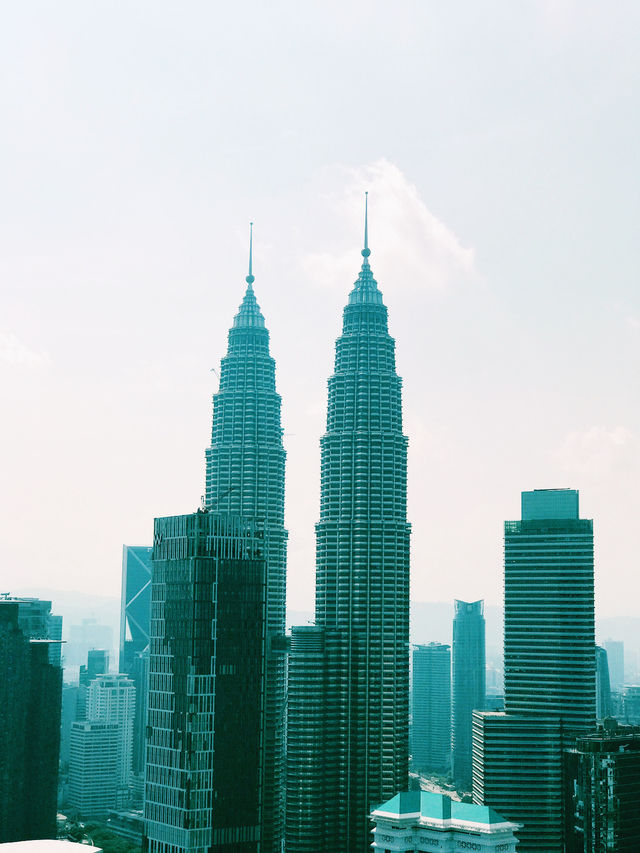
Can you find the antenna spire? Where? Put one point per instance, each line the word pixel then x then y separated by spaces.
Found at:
pixel 250 278
pixel 366 251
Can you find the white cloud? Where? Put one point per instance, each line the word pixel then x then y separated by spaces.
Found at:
pixel 411 248
pixel 14 352
pixel 598 451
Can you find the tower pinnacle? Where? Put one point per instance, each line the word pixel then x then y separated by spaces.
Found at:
pixel 250 278
pixel 366 251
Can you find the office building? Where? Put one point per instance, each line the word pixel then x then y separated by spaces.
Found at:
pixel 97 664
pixel 112 699
pixel 603 688
pixel 30 702
pixel 135 616
pixel 549 656
pixel 615 656
pixel 431 708
pixel 207 684
pixel 419 821
pixel 93 768
pixel 90 634
pixel 362 597
pixel 39 623
pixel 468 680
pixel 606 791
pixel 245 478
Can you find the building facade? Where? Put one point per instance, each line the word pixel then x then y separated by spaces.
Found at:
pixel 30 705
pixel 424 822
pixel 606 791
pixel 431 708
pixel 205 744
pixel 245 477
pixel 615 656
pixel 468 684
pixel 112 699
pixel 549 657
pixel 362 596
pixel 93 768
pixel 603 685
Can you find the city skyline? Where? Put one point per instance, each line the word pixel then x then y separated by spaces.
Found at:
pixel 510 275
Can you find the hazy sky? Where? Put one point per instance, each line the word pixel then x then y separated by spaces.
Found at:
pixel 499 145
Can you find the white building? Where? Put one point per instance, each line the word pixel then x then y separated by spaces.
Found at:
pixel 424 822
pixel 93 768
pixel 112 699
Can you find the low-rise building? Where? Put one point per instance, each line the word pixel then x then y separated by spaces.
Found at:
pixel 424 822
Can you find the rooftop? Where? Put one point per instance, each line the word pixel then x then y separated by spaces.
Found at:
pixel 428 806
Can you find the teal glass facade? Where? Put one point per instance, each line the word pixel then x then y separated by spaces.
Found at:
pixel 362 597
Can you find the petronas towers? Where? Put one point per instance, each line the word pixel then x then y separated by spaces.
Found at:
pixel 219 777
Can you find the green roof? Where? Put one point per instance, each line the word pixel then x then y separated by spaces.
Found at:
pixel 439 807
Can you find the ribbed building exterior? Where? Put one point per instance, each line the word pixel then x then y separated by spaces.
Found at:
pixel 431 708
pixel 245 477
pixel 468 684
pixel 112 699
pixel 362 597
pixel 549 658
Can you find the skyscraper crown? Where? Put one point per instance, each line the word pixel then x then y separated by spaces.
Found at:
pixel 365 289
pixel 249 313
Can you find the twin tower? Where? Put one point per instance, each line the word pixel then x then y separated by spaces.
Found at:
pixel 241 757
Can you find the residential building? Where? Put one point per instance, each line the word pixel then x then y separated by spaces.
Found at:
pixel 431 708
pixel 468 684
pixel 93 768
pixel 424 822
pixel 549 655
pixel 606 790
pixel 112 699
pixel 207 685
pixel 362 597
pixel 30 703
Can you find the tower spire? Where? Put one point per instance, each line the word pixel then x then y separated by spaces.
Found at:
pixel 250 278
pixel 366 251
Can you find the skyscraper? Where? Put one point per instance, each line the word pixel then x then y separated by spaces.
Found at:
pixel 615 655
pixel 30 703
pixel 467 684
pixel 93 768
pixel 549 657
pixel 112 699
pixel 205 744
pixel 603 686
pixel 215 746
pixel 431 707
pixel 245 477
pixel 362 597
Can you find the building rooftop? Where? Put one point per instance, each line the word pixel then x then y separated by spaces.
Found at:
pixel 429 807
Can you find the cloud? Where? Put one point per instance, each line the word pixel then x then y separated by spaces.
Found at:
pixel 411 248
pixel 598 451
pixel 14 352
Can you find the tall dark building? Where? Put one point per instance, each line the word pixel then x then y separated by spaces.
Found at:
pixel 603 685
pixel 30 705
pixel 467 684
pixel 215 735
pixel 362 598
pixel 549 657
pixel 431 708
pixel 606 791
pixel 205 747
pixel 245 477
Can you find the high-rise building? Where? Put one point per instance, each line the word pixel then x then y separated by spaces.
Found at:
pixel 97 664
pixel 245 477
pixel 615 656
pixel 549 657
pixel 606 791
pixel 135 616
pixel 468 682
pixel 431 708
pixel 30 704
pixel 93 768
pixel 112 699
pixel 603 686
pixel 362 598
pixel 39 623
pixel 205 743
